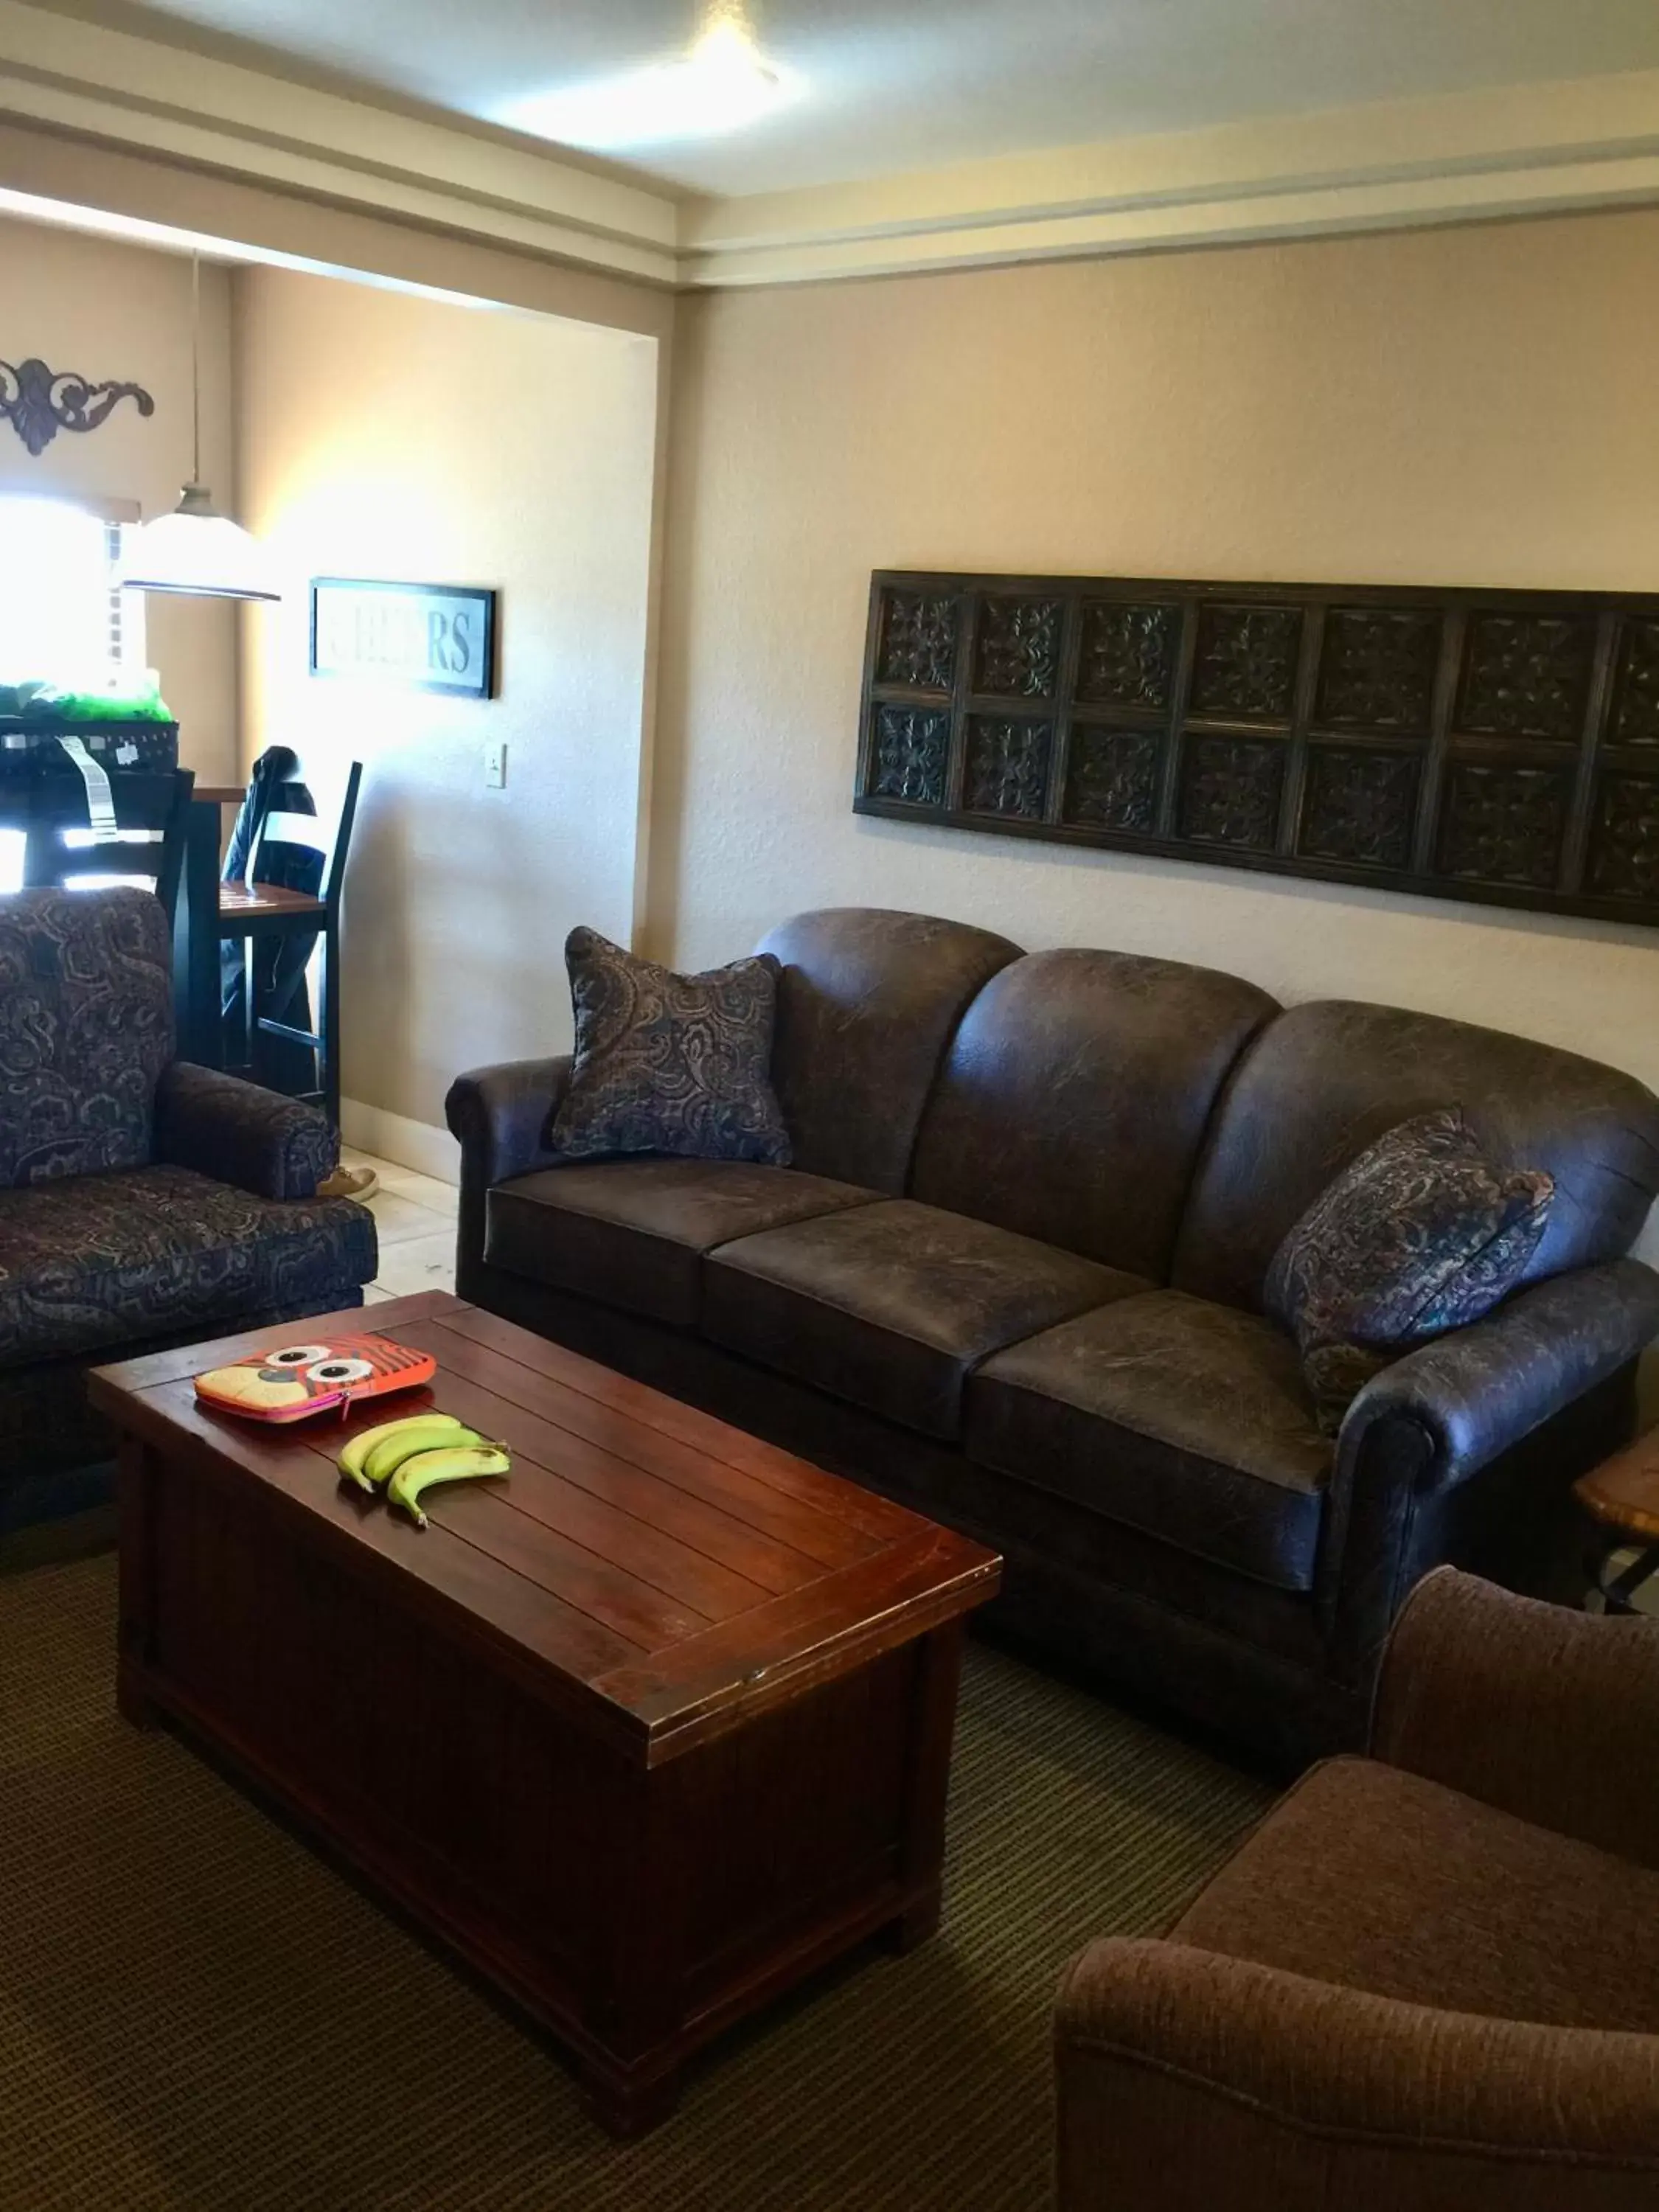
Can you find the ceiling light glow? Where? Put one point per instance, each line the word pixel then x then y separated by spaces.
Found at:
pixel 720 85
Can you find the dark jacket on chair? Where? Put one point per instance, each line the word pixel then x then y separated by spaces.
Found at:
pixel 279 964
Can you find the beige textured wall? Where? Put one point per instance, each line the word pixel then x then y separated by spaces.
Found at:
pixel 106 310
pixel 1472 406
pixel 394 437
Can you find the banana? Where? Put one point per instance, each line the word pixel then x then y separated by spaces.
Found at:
pixel 389 1454
pixel 353 1458
pixel 424 1470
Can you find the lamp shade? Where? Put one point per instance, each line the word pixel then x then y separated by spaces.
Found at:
pixel 197 554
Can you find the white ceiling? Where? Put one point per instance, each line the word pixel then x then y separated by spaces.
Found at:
pixel 896 85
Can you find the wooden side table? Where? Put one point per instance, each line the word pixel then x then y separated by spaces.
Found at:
pixel 1623 1493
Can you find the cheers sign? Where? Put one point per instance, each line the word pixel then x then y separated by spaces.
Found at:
pixel 432 637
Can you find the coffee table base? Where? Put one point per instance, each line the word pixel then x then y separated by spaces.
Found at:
pixel 634 1910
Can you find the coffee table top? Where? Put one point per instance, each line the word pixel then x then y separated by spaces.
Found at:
pixel 648 1565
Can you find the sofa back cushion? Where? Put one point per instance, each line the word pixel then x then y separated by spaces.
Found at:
pixel 1074 1102
pixel 867 1003
pixel 1325 1080
pixel 86 1027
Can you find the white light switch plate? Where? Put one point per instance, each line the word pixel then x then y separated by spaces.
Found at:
pixel 496 765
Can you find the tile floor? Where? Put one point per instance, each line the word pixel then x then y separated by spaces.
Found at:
pixel 415 1215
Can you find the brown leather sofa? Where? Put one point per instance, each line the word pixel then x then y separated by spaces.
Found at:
pixel 1431 1978
pixel 1013 1278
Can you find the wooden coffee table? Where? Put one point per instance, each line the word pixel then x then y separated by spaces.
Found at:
pixel 645 1733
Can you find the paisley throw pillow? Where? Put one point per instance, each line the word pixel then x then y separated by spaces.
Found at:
pixel 667 1063
pixel 1421 1234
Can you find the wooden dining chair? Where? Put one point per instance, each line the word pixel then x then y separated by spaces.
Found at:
pixel 257 911
pixel 143 843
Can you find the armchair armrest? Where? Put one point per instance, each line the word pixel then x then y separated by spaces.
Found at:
pixel 499 1117
pixel 239 1133
pixel 1550 1715
pixel 1482 1388
pixel 1187 2080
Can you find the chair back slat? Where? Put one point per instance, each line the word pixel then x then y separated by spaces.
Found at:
pixel 336 877
pixel 325 833
pixel 308 830
pixel 64 848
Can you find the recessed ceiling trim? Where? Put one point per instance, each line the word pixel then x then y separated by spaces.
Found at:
pixel 1534 149
pixel 1224 219
pixel 1531 149
pixel 161 98
pixel 1166 230
pixel 203 146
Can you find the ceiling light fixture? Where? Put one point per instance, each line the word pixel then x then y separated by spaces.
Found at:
pixel 196 551
pixel 721 83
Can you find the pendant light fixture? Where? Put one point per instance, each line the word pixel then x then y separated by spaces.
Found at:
pixel 196 551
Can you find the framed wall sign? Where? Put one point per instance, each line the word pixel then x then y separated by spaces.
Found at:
pixel 425 637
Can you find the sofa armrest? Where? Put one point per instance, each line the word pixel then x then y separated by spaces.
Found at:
pixel 1187 2080
pixel 1482 1388
pixel 1548 1373
pixel 499 1117
pixel 240 1134
pixel 1543 1713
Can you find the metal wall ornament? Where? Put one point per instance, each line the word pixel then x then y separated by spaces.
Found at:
pixel 38 402
pixel 1495 746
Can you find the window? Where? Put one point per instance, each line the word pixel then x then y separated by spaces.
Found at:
pixel 63 618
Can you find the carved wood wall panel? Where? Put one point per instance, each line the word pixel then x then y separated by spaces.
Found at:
pixel 1500 746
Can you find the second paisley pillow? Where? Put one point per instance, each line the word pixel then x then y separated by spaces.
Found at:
pixel 667 1063
pixel 1421 1234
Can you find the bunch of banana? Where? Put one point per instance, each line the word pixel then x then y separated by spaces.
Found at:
pixel 407 1457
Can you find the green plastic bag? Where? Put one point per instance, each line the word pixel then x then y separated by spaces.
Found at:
pixel 127 699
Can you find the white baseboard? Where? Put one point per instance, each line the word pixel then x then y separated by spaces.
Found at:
pixel 394 1136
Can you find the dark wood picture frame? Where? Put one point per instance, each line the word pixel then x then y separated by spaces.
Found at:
pixel 477 682
pixel 1497 746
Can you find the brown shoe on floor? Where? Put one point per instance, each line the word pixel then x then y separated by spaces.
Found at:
pixel 350 1182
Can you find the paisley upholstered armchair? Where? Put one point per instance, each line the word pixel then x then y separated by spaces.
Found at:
pixel 144 1201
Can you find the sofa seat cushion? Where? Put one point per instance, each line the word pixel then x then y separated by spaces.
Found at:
pixel 91 1262
pixel 892 1305
pixel 1186 1420
pixel 632 1232
pixel 1376 1879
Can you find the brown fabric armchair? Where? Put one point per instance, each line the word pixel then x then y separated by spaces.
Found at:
pixel 1430 1979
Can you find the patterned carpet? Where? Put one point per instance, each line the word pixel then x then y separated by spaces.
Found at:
pixel 196 2015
